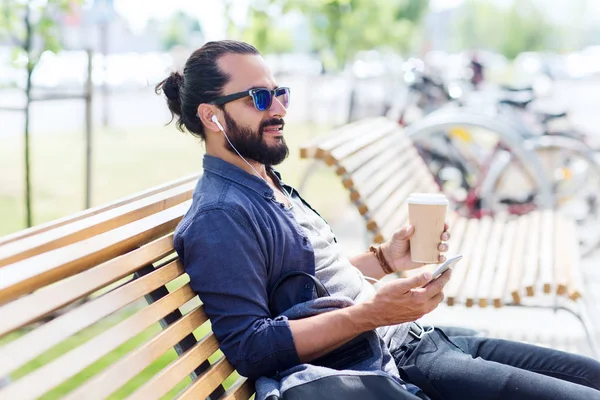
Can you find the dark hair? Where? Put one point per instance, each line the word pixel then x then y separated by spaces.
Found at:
pixel 201 82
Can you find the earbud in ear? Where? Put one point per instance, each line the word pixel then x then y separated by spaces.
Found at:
pixel 216 121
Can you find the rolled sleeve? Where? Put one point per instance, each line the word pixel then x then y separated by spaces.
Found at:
pixel 227 265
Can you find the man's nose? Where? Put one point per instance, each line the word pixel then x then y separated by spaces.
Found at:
pixel 277 109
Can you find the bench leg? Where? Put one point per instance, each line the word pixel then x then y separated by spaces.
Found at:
pixel 187 342
pixel 587 323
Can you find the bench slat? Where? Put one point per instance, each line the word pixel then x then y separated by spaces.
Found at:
pixel 476 261
pixel 532 260
pixel 38 229
pixel 376 154
pixel 546 254
pixel 316 147
pixel 36 272
pixel 378 131
pixel 490 267
pixel 394 200
pixel 458 227
pixel 179 369
pixel 459 274
pixel 400 216
pixel 378 198
pixel 207 382
pixel 119 373
pixel 92 226
pixel 24 349
pixel 57 371
pixel 378 176
pixel 374 176
pixel 576 285
pixel 498 290
pixel 242 389
pixel 40 303
pixel 518 259
pixel 563 255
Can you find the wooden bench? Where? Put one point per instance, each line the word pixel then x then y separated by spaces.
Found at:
pixel 508 260
pixel 95 269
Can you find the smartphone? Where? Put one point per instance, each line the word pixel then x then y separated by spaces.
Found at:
pixel 449 263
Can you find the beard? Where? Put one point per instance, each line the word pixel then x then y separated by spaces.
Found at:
pixel 251 144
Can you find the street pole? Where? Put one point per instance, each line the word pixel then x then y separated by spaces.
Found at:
pixel 104 49
pixel 30 66
pixel 88 131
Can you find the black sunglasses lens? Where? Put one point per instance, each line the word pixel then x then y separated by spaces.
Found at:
pixel 283 95
pixel 262 99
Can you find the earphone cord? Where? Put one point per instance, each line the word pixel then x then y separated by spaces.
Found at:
pixel 282 190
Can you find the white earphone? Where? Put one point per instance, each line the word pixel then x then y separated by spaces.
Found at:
pixel 216 121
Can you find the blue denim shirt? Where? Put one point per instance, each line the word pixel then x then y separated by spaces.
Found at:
pixel 236 242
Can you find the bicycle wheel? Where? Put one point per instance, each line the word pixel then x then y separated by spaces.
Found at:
pixel 574 172
pixel 456 156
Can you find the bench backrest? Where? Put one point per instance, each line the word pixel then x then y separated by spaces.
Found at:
pixel 380 167
pixel 77 294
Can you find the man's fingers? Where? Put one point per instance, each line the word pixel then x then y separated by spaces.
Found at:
pixel 416 281
pixel 440 282
pixel 405 232
pixel 438 298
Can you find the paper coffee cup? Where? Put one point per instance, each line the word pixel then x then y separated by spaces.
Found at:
pixel 427 213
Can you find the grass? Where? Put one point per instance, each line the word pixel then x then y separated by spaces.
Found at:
pixel 124 162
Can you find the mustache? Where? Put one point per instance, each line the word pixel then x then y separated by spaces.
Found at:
pixel 271 122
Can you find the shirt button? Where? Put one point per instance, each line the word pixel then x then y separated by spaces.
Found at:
pixel 305 240
pixel 268 195
pixel 307 286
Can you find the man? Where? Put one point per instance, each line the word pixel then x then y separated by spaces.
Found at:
pixel 246 230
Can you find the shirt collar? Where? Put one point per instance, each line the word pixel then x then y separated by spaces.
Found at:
pixel 233 173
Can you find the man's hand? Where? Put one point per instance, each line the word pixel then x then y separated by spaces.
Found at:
pixel 405 300
pixel 397 250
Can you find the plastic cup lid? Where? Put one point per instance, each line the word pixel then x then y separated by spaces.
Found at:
pixel 427 198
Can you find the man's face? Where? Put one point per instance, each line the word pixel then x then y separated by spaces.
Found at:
pixel 256 135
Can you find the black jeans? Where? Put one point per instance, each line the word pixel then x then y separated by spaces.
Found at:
pixel 469 367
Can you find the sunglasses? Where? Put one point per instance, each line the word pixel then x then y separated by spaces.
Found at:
pixel 262 97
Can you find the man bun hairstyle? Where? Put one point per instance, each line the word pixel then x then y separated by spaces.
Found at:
pixel 202 81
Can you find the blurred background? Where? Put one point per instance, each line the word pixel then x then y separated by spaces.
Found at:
pixel 80 124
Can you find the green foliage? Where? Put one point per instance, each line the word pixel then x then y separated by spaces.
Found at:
pixel 344 27
pixel 339 28
pixel 263 31
pixel 179 29
pixel 32 28
pixel 508 30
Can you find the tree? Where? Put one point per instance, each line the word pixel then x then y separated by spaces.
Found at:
pixel 339 28
pixel 32 28
pixel 181 29
pixel 345 27
pixel 510 31
pixel 262 30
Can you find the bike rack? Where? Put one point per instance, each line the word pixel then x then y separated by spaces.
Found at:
pixel 511 135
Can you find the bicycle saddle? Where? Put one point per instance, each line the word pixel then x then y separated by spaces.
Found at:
pixel 549 116
pixel 509 88
pixel 516 103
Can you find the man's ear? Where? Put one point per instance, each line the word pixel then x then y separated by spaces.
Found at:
pixel 205 113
